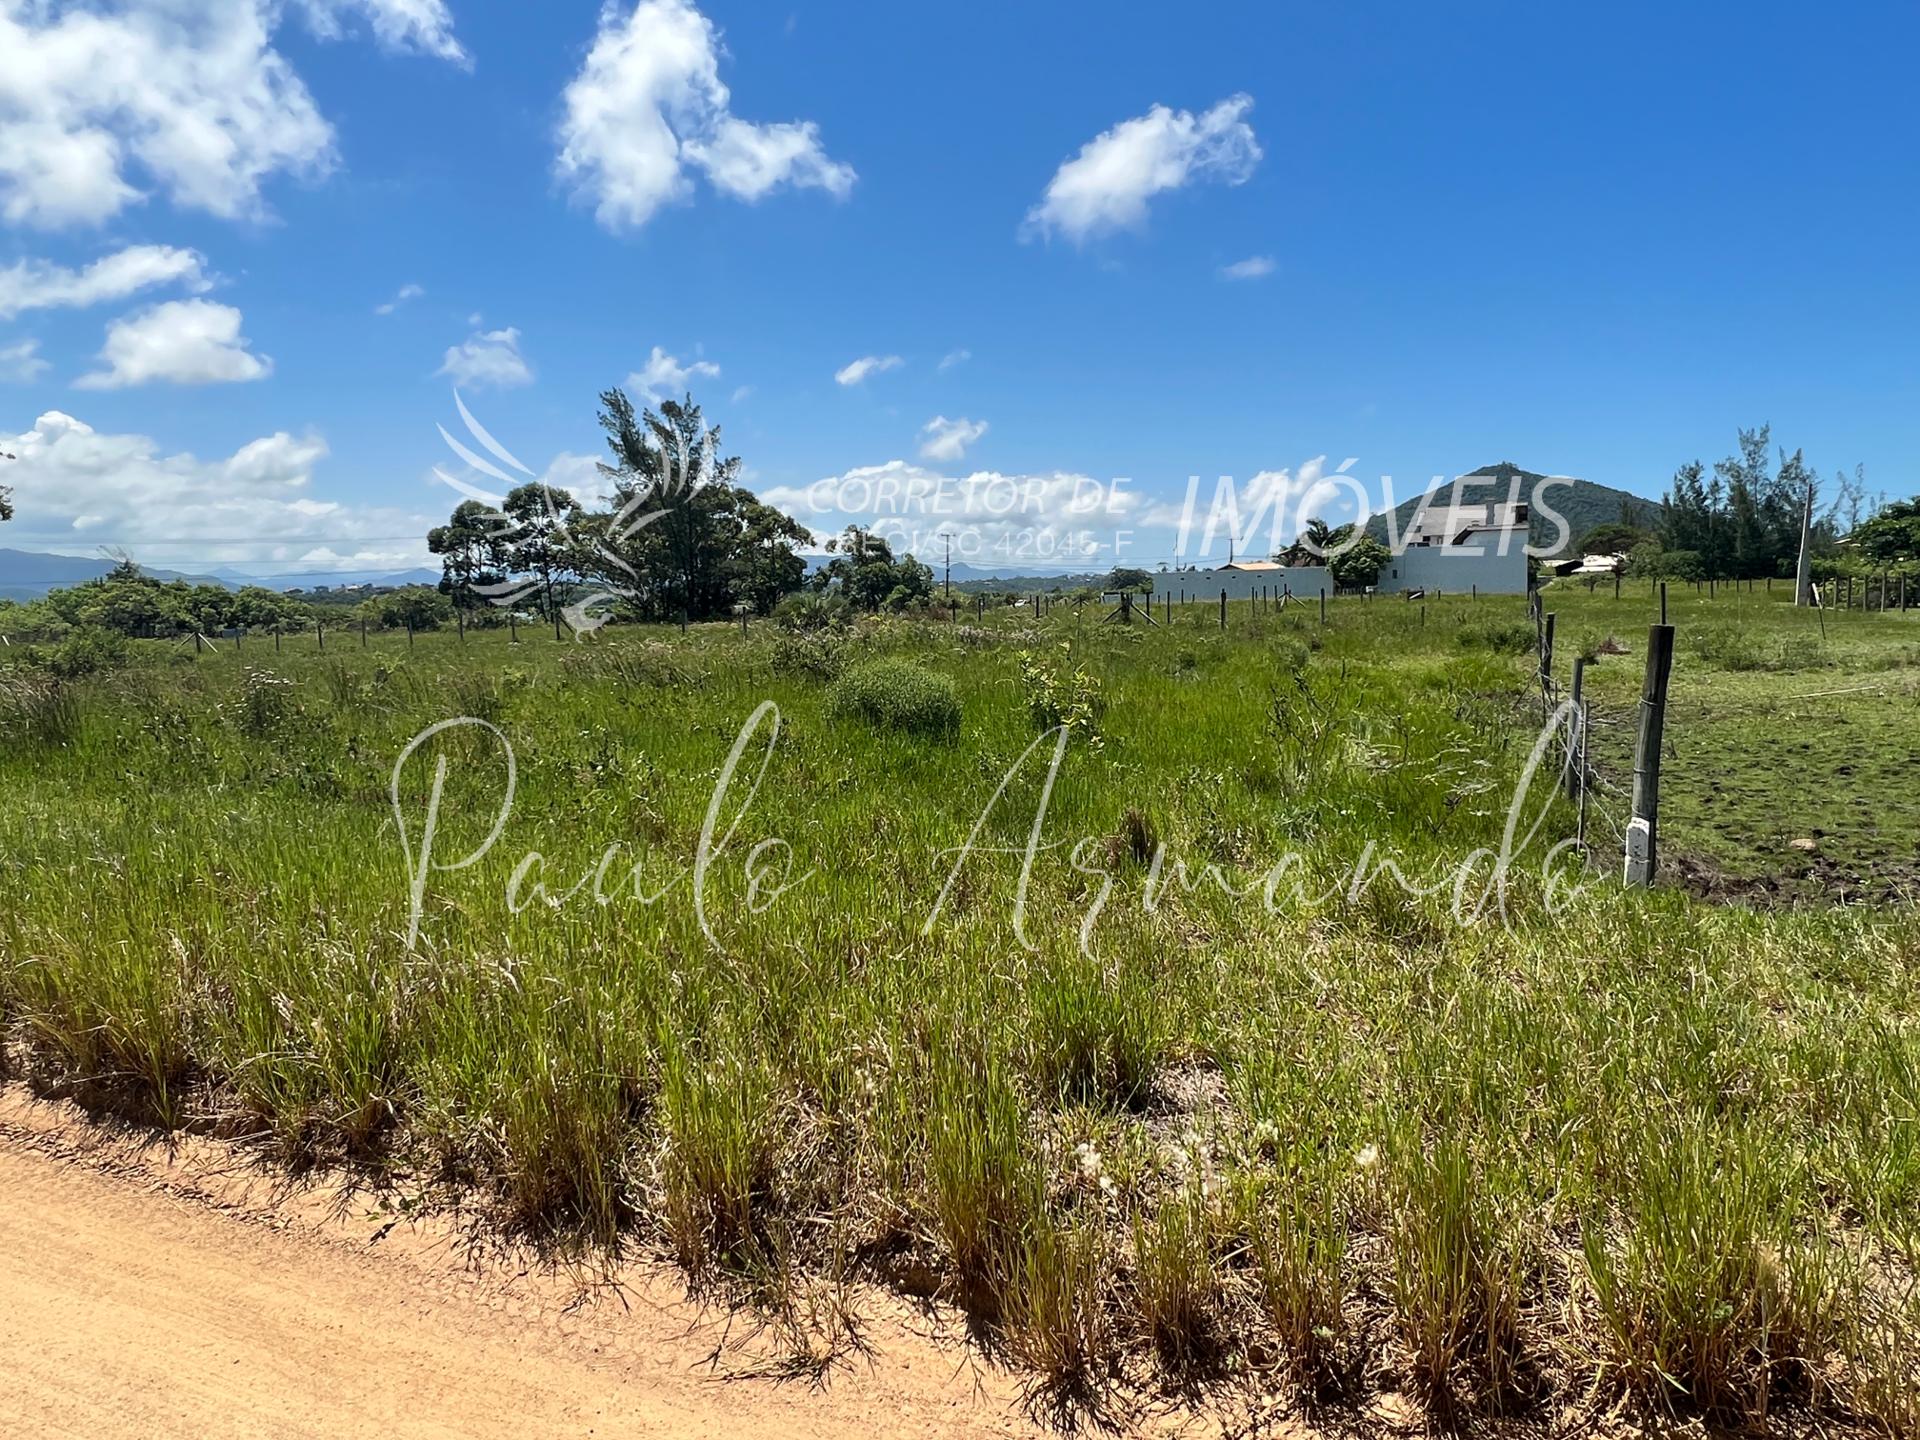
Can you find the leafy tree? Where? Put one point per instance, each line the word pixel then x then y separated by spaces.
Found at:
pixel 421 606
pixel 473 551
pixel 863 570
pixel 1892 536
pixel 1127 578
pixel 1360 564
pixel 538 540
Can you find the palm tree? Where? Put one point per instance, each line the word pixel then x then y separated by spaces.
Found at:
pixel 1312 546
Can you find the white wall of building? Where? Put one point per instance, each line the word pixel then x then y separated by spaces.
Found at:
pixel 1447 569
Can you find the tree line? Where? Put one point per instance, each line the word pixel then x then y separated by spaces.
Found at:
pixel 1742 520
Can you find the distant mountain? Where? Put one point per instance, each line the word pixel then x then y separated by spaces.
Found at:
pixel 334 579
pixel 1581 503
pixel 27 575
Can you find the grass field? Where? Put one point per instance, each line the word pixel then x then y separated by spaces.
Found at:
pixel 1167 1101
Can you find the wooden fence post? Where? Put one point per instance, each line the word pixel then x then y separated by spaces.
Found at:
pixel 320 631
pixel 1643 829
pixel 1223 607
pixel 1323 604
pixel 1576 737
pixel 1546 663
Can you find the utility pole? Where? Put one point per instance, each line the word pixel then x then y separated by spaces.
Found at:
pixel 1803 574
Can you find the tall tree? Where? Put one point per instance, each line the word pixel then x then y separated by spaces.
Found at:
pixel 473 551
pixel 538 541
pixel 685 539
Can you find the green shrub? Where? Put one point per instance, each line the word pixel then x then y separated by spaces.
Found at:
pixel 1509 638
pixel 1064 694
pixel 808 610
pixel 898 695
pixel 818 654
pixel 265 701
pixel 84 652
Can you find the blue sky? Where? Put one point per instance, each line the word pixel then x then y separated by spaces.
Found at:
pixel 1594 242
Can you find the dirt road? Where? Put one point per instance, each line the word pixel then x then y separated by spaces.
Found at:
pixel 144 1293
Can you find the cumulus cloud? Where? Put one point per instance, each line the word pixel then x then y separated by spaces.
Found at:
pixel 663 377
pixel 1056 518
pixel 1254 267
pixel 955 357
pixel 101 106
pixel 422 26
pixel 20 363
pixel 487 359
pixel 183 342
pixel 1108 184
pixel 76 486
pixel 866 365
pixel 944 439
pixel 40 285
pixel 401 297
pixel 648 106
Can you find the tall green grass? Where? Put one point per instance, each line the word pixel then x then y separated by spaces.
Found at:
pixel 1154 1129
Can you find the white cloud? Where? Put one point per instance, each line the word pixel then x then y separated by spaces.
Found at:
pixel 665 378
pixel 401 297
pixel 944 439
pixel 183 342
pixel 1254 267
pixel 424 26
pixel 741 393
pixel 77 488
pixel 955 357
pixel 20 364
pixel 102 105
pixel 866 365
pixel 40 285
pixel 487 358
pixel 1107 185
pixel 649 104
pixel 1057 518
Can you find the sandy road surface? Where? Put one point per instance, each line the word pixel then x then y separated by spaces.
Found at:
pixel 144 1293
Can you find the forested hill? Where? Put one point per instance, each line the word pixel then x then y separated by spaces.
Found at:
pixel 1582 504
